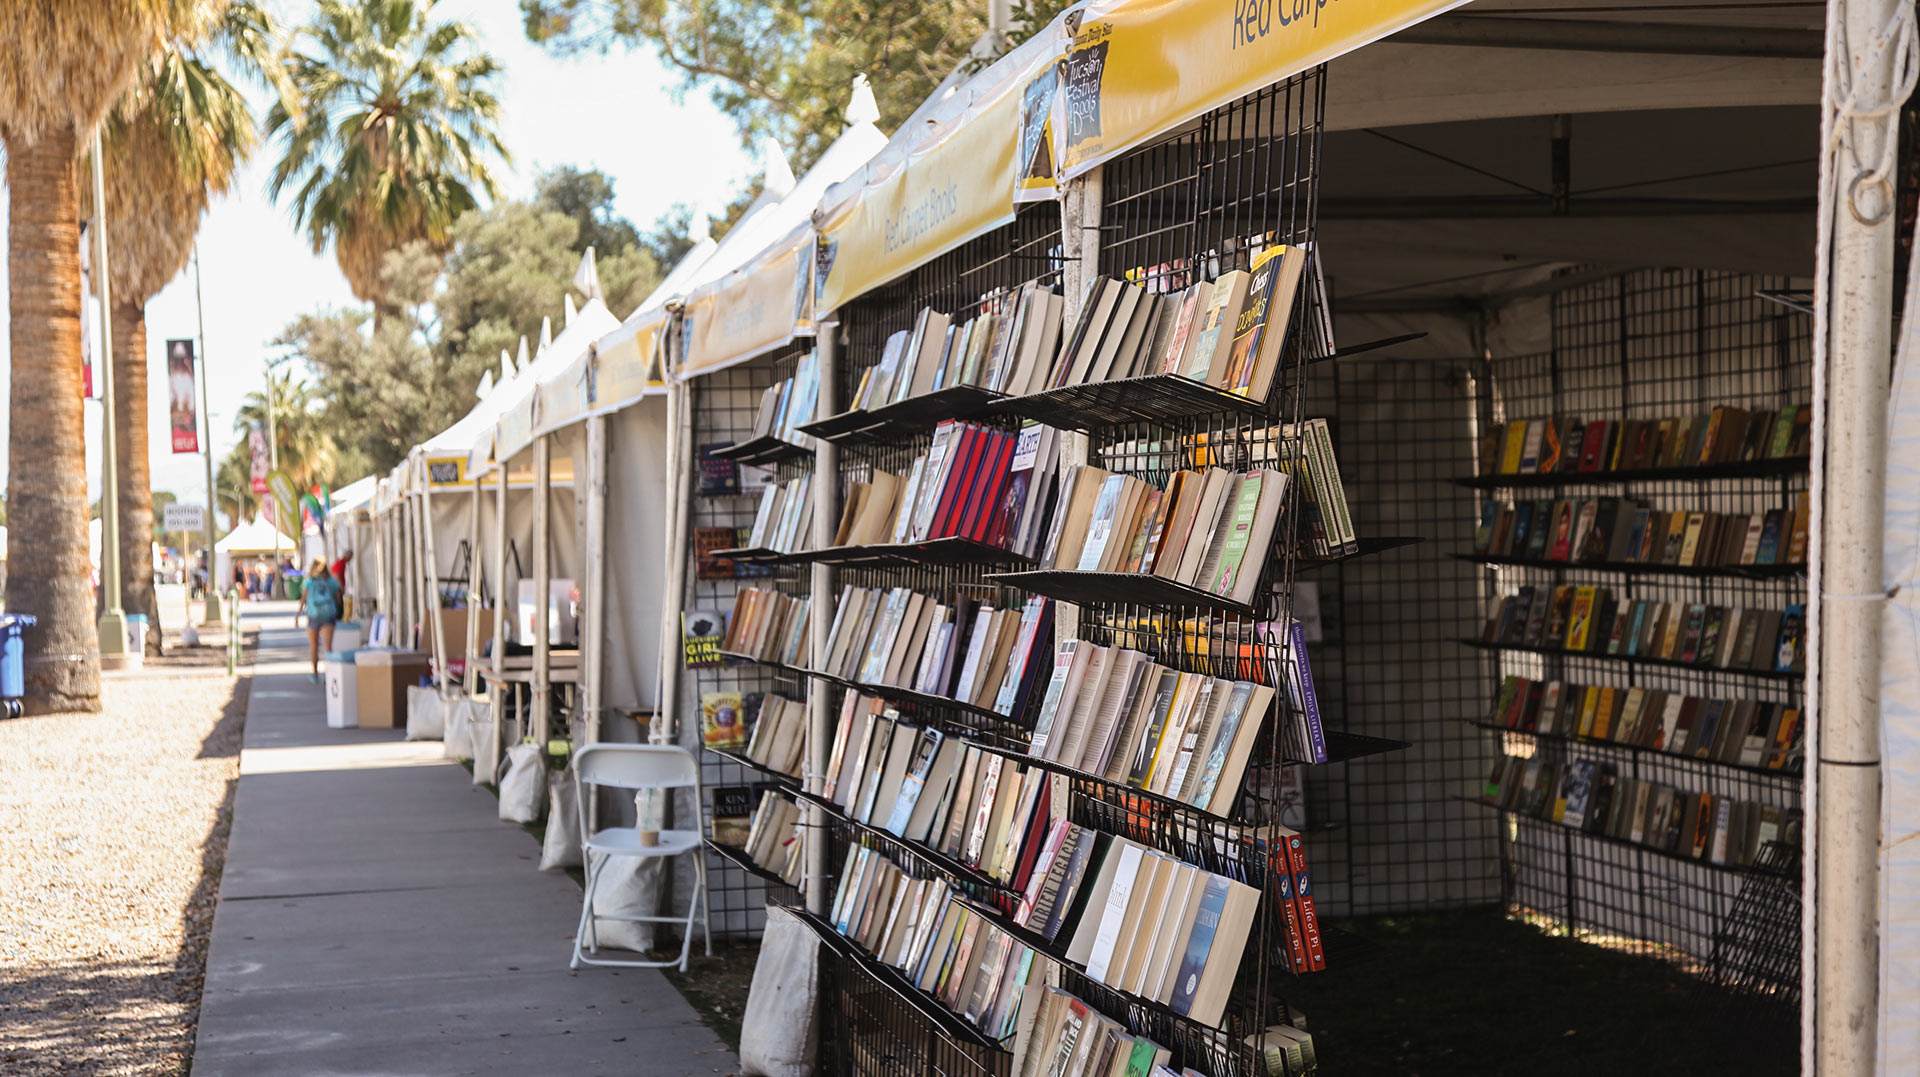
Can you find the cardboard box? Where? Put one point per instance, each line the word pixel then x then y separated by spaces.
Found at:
pixel 382 691
pixel 453 624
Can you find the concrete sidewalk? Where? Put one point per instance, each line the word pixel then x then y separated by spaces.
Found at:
pixel 377 918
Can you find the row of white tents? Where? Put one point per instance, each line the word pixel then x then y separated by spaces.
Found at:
pixel 576 464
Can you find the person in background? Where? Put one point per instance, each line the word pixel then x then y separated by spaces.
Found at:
pixel 323 612
pixel 339 571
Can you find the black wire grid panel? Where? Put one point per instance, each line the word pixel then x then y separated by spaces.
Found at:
pixel 1187 208
pixel 725 405
pixel 1650 344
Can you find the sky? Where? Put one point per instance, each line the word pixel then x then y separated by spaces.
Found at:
pixel 619 112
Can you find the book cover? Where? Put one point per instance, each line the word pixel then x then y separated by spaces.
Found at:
pixel 719 476
pixel 721 724
pixel 700 634
pixel 1193 962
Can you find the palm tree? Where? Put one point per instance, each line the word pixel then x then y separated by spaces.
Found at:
pixel 305 449
pixel 66 64
pixel 173 143
pixel 389 134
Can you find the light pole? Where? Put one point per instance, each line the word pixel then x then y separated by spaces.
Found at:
pixel 211 618
pixel 114 653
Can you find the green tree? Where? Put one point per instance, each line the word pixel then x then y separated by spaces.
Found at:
pixel 782 67
pixel 390 134
pixel 587 197
pixel 66 64
pixel 172 143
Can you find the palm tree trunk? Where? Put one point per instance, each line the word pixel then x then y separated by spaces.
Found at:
pixel 49 575
pixel 135 479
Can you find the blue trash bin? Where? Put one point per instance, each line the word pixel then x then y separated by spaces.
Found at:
pixel 13 679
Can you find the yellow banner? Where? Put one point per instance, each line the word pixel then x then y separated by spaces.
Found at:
pixel 758 306
pixel 629 365
pixel 953 185
pixel 447 471
pixel 1141 67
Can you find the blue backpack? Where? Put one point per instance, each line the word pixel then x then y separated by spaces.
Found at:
pixel 323 600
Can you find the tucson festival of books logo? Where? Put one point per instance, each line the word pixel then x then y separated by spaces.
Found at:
pixel 824 251
pixel 1086 70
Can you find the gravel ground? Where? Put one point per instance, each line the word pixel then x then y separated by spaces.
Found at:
pixel 113 832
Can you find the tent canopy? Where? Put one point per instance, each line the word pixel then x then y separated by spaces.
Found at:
pixel 254 536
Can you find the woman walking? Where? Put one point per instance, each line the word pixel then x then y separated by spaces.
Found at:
pixel 323 612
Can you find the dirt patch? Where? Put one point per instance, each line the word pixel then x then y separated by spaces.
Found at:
pixel 113 835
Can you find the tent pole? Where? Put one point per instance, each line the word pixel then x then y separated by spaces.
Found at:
pixel 474 576
pixel 826 515
pixel 542 587
pixel 674 589
pixel 438 633
pixel 496 693
pixel 1849 590
pixel 593 637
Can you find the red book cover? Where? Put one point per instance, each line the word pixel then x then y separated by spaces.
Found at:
pixel 966 513
pixel 1303 896
pixel 985 519
pixel 953 491
pixel 1593 447
pixel 1290 911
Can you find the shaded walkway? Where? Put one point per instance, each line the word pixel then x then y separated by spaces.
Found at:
pixel 376 918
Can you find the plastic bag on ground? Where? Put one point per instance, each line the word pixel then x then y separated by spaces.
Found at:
pixel 523 792
pixel 458 744
pixel 426 713
pixel 561 848
pixel 484 738
pixel 776 1032
pixel 628 887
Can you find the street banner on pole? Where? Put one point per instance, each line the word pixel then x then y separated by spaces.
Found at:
pixel 286 501
pixel 183 412
pixel 262 456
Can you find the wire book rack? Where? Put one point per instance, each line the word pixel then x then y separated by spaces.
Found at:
pixel 1187 208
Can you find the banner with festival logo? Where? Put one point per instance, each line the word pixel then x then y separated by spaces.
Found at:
pixel 182 410
pixel 262 456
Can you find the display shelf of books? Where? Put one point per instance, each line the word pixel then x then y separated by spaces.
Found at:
pixel 741 759
pixel 1636 568
pixel 764 449
pixel 749 463
pixel 907 417
pixel 1051 781
pixel 1768 673
pixel 922 1003
pixel 1701 860
pixel 739 859
pixel 1157 592
pixel 1643 529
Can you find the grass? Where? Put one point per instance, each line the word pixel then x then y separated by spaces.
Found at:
pixel 1477 993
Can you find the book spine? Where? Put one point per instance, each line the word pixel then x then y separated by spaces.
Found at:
pixel 1309 703
pixel 1303 897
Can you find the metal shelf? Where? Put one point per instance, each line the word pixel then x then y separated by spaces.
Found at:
pixel 1638 660
pixel 1638 568
pixel 1775 467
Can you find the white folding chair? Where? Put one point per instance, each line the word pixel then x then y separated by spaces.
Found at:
pixel 637 767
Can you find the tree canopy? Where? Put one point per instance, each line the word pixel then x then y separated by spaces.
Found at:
pixel 389 134
pixel 386 387
pixel 783 67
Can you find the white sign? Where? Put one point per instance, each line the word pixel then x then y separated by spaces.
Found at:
pixel 178 517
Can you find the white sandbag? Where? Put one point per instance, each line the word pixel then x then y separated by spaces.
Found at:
pixel 426 713
pixel 483 736
pixel 628 886
pixel 458 744
pixel 523 792
pixel 561 848
pixel 776 1032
